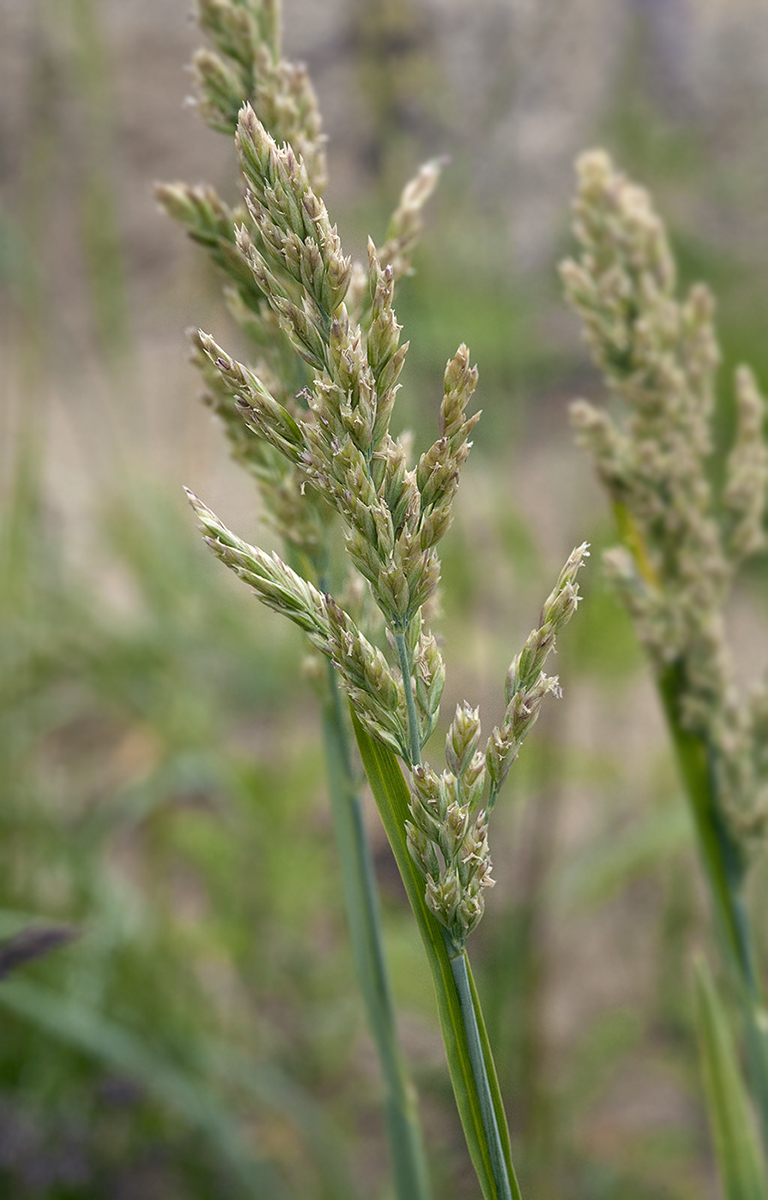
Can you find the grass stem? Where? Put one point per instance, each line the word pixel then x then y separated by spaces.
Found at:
pixel 410 703
pixel 459 968
pixel 409 1162
pixel 724 869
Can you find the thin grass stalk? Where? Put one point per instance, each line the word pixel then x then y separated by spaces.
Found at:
pixel 741 1167
pixel 725 873
pixel 721 856
pixel 682 541
pixel 470 1061
pixel 409 1164
pixel 468 1000
pixel 723 862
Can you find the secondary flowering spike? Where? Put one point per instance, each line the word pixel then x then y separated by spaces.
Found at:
pixel 439 468
pixel 259 409
pixel 459 383
pixel 526 684
pixel 273 581
pixel 447 836
pixel 449 842
pixel 406 223
pixel 681 540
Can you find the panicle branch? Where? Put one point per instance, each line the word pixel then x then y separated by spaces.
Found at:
pixel 526 684
pixel 447 836
pixel 246 65
pixel 405 226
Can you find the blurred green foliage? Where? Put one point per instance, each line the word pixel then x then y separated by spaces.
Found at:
pixel 138 815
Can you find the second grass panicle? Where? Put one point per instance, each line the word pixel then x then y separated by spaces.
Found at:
pixel 682 539
pixel 681 542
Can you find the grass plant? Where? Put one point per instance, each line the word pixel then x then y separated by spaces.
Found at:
pixel 177 1003
pixel 682 540
pixel 247 64
pixel 310 419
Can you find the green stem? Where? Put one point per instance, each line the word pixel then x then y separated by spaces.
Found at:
pixel 459 1029
pixel 493 796
pixel 410 703
pixel 721 856
pixel 409 1162
pixel 460 969
pixel 724 869
pixel 737 1150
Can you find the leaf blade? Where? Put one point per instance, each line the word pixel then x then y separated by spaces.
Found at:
pixel 740 1162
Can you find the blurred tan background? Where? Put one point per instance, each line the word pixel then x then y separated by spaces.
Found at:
pixel 93 112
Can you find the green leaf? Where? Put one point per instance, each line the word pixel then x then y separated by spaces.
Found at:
pixel 392 799
pixel 741 1166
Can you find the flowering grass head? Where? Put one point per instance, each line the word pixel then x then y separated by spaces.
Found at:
pixel 393 514
pixel 682 539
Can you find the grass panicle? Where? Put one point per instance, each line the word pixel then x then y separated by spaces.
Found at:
pixel 280 285
pixel 682 540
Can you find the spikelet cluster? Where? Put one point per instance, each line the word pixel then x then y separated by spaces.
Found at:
pixel 448 837
pixel 682 541
pixel 339 445
pixel 244 64
pixel 526 684
pixel 310 419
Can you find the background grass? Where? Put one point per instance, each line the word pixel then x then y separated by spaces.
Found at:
pixel 197 1032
